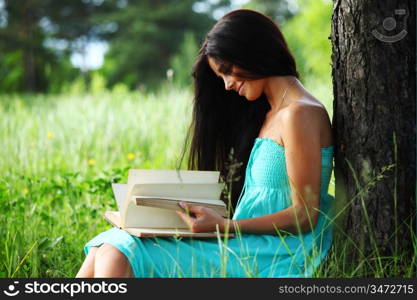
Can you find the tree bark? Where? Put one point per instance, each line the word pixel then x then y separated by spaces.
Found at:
pixel 374 123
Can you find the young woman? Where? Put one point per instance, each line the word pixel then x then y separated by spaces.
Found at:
pixel 247 97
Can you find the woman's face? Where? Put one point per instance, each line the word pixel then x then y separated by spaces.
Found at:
pixel 251 89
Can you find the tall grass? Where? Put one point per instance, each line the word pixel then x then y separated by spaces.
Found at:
pixel 58 154
pixel 348 259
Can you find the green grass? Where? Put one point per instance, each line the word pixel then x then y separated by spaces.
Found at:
pixel 58 154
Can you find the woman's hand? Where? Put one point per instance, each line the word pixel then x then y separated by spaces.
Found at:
pixel 200 218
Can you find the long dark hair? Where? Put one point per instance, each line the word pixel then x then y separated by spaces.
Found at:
pixel 222 120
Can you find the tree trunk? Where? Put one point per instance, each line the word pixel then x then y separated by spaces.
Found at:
pixel 374 86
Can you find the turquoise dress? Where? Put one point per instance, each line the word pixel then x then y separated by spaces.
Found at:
pixel 266 190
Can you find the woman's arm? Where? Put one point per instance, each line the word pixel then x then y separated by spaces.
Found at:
pixel 301 135
pixel 292 219
pixel 201 219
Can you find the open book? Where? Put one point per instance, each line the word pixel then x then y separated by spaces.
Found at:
pixel 147 203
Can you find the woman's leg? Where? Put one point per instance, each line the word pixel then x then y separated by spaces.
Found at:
pixel 87 268
pixel 110 262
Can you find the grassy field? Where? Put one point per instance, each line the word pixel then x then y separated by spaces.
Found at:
pixel 58 155
pixel 60 152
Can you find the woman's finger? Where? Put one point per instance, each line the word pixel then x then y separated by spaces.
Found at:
pixel 196 209
pixel 186 218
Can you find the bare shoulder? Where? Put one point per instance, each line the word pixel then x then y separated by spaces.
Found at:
pixel 308 115
pixel 311 109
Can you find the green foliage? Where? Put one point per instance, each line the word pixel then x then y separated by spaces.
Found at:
pixel 149 34
pixel 10 74
pixel 29 63
pixel 182 63
pixel 307 35
pixel 278 10
pixel 145 38
pixel 98 83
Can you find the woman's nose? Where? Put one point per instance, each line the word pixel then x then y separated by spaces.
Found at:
pixel 228 83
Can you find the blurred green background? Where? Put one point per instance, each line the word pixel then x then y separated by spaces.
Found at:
pixel 91 88
pixel 83 45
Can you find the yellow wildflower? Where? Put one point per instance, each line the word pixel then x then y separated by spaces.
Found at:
pixel 91 162
pixel 51 135
pixel 25 191
pixel 131 156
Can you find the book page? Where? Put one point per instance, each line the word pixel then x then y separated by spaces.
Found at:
pixel 172 183
pixel 191 201
pixel 187 190
pixel 153 232
pixel 119 191
pixel 172 176
pixel 150 217
pixel 217 205
pixel 114 218
pixel 138 176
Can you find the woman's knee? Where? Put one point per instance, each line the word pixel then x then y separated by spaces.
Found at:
pixel 92 252
pixel 87 268
pixel 111 262
pixel 109 252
